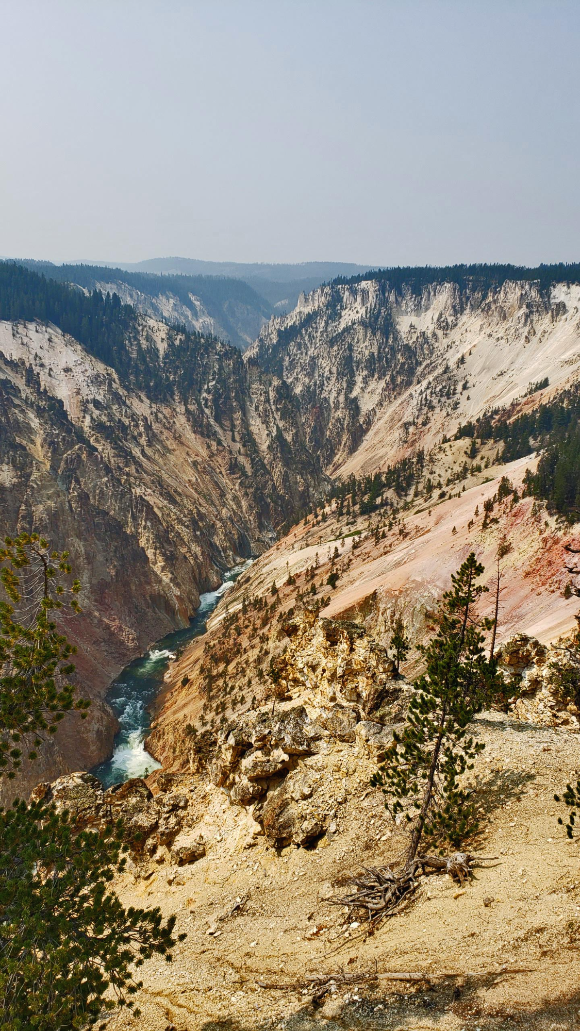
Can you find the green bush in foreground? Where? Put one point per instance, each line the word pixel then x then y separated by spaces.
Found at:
pixel 65 938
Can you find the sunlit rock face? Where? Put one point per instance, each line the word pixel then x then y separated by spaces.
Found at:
pixel 382 367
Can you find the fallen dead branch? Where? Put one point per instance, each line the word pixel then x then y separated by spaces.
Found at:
pixel 343 979
pixel 321 984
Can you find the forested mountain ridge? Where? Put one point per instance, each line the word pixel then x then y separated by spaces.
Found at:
pixel 228 308
pixel 158 469
pixel 279 283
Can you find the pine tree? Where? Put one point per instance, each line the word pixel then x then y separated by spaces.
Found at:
pixel 66 941
pixel 65 937
pixel 420 776
pixel 400 644
pixel 35 666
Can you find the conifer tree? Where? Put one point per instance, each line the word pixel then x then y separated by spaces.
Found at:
pixel 421 773
pixel 66 940
pixel 65 937
pixel 35 666
pixel 400 644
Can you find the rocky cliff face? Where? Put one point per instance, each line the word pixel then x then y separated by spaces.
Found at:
pixel 236 318
pixel 153 498
pixel 380 367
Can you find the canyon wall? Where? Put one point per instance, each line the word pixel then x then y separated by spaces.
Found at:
pixel 153 498
pixel 381 368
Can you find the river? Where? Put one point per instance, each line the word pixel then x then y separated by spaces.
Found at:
pixel 132 693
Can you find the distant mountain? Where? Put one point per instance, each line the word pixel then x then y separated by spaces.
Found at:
pixel 226 308
pixel 278 273
pixel 279 284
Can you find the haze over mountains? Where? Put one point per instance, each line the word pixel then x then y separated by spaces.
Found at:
pixel 279 283
pixel 271 288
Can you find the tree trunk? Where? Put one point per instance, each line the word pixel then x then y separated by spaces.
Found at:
pixel 418 831
pixel 496 613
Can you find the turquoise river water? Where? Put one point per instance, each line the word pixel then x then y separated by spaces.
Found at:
pixel 132 693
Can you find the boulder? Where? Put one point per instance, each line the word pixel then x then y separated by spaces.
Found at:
pixel 339 721
pixel 245 792
pixel 302 785
pixel 187 849
pixel 168 826
pixel 262 746
pixel 295 732
pixel 313 826
pixel 133 803
pixel 287 820
pixel 229 753
pixel 375 737
pixel 520 652
pixel 166 781
pixel 79 793
pixel 257 765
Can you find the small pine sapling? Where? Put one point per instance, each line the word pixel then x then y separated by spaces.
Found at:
pixel 400 644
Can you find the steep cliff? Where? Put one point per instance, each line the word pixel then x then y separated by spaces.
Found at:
pixel 224 307
pixel 384 364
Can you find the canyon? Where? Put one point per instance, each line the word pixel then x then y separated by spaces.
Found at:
pixel 358 451
pixel 154 493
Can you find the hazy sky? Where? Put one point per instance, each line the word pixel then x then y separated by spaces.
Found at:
pixel 375 131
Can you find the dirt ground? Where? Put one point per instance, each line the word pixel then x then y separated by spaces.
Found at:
pixel 501 953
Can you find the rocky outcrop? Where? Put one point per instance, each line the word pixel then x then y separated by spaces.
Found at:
pixel 538 673
pixel 260 762
pixel 335 661
pixel 151 823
